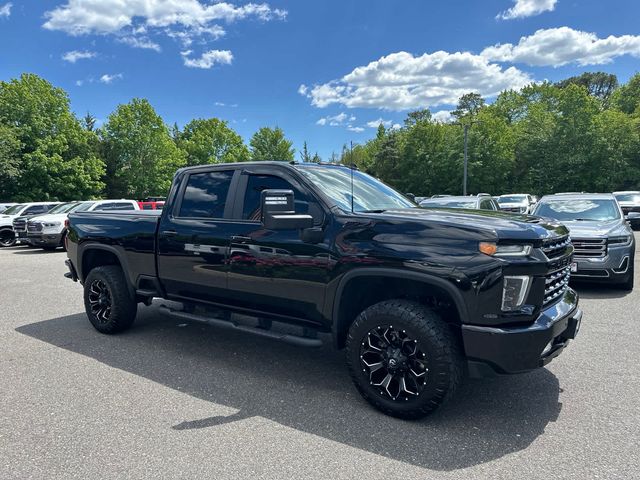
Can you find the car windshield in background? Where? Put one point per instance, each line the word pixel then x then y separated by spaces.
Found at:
pixel 599 210
pixel 63 208
pixel 369 194
pixel 83 207
pixel 628 197
pixel 12 210
pixel 512 199
pixel 451 204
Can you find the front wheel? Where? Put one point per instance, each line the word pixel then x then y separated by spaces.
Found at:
pixel 627 285
pixel 107 301
pixel 7 238
pixel 403 358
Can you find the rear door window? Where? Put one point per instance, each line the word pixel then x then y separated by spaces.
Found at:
pixel 205 195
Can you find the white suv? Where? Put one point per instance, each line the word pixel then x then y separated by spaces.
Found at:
pixel 48 231
pixel 7 232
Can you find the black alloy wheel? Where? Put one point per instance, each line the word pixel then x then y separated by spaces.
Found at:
pixel 394 362
pixel 100 301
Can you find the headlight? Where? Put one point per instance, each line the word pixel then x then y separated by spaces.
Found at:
pixel 514 292
pixel 622 241
pixel 51 224
pixel 495 250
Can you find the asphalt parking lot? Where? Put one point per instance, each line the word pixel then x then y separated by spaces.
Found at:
pixel 174 400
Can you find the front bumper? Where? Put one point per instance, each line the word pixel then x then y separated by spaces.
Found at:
pixel 613 268
pixel 507 350
pixel 44 239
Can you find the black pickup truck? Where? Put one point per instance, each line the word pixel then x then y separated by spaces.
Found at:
pixel 418 297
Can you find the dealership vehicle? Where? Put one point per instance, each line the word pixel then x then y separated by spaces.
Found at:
pixel 8 236
pixel 479 202
pixel 5 206
pixel 629 202
pixel 603 241
pixel 418 297
pixel 516 203
pixel 49 231
pixel 20 222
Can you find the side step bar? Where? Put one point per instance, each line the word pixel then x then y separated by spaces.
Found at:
pixel 231 325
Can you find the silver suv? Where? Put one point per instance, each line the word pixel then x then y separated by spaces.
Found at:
pixel 603 240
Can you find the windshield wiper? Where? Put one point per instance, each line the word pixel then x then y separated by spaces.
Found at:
pixel 379 210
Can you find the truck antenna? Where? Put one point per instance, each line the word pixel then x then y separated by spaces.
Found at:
pixel 352 167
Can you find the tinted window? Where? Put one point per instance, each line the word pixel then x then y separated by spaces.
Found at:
pixel 206 195
pixel 257 183
pixel 124 206
pixel 486 205
pixel 36 209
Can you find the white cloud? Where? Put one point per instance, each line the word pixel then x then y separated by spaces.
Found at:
pixel 527 8
pixel 378 122
pixel 74 55
pixel 336 120
pixel 402 81
pixel 79 17
pixel 140 42
pixel 564 45
pixel 443 116
pixel 5 10
pixel 209 59
pixel 107 78
pixel 136 22
pixel 79 83
pixel 355 129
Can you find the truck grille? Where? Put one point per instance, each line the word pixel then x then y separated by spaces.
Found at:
pixel 626 210
pixel 590 247
pixel 556 283
pixel 33 227
pixel 556 247
pixel 511 209
pixel 20 225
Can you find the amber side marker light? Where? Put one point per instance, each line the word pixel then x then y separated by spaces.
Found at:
pixel 488 248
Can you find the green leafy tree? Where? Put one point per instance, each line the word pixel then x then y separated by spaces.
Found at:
pixel 468 106
pixel 57 159
pixel 305 156
pixel 211 141
pixel 140 155
pixel 271 144
pixel 9 162
pixel 599 85
pixel 627 97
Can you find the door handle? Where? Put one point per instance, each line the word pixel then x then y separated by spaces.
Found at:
pixel 169 233
pixel 241 239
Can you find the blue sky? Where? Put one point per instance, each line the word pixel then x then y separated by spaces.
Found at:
pixel 325 71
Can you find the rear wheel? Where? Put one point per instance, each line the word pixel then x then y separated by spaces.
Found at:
pixel 7 238
pixel 107 302
pixel 403 358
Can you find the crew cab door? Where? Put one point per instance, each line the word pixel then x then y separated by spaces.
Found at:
pixel 193 236
pixel 277 271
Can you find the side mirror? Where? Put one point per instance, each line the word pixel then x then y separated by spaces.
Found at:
pixel 411 196
pixel 278 211
pixel 632 216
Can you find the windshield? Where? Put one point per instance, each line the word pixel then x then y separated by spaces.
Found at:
pixel 13 210
pixel 449 204
pixel 62 208
pixel 83 207
pixel 369 194
pixel 512 199
pixel 628 197
pixel 599 210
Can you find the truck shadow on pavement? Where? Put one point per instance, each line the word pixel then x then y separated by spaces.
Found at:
pixel 598 291
pixel 310 390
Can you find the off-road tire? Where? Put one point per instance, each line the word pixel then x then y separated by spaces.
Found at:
pixel 123 308
pixel 435 338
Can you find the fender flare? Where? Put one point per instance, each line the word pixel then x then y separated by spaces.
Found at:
pixel 421 277
pixel 88 246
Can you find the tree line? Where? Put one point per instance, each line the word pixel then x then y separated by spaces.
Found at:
pixel 580 134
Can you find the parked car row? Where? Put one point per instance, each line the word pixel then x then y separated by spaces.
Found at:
pixel 600 225
pixel 42 224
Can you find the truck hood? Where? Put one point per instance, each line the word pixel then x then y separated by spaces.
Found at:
pixel 7 219
pixel 504 226
pixel 54 217
pixel 588 229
